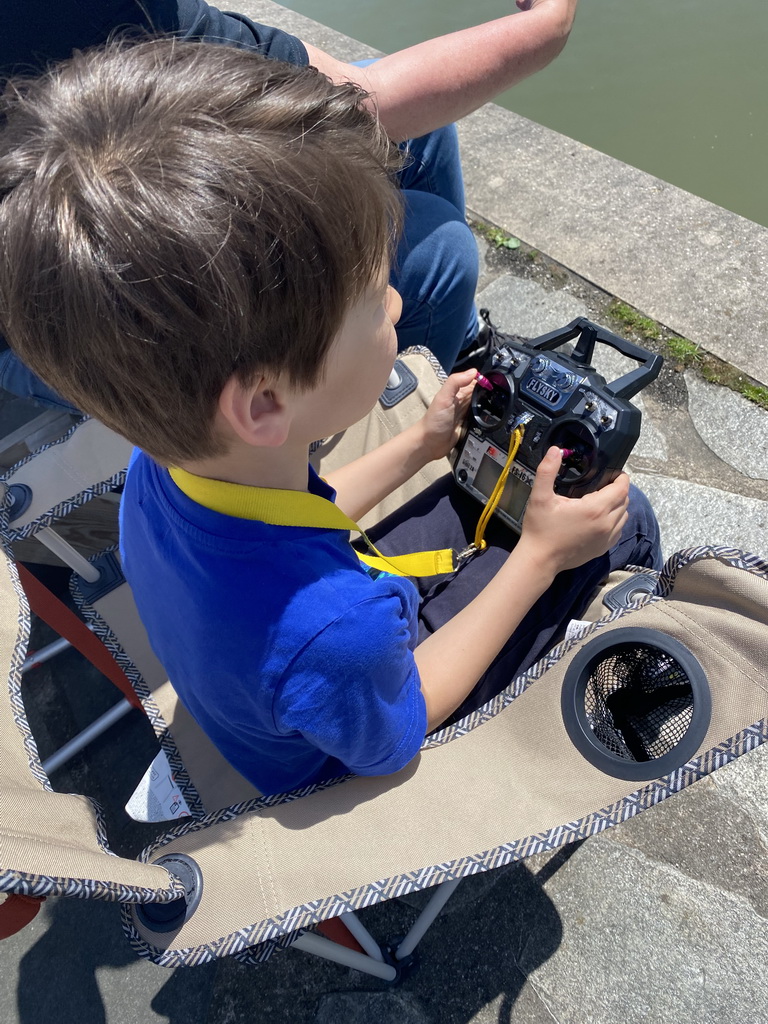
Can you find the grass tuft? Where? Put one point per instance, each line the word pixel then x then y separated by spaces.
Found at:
pixel 629 316
pixel 683 351
pixel 501 239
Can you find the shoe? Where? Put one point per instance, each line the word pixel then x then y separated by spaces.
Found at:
pixel 489 337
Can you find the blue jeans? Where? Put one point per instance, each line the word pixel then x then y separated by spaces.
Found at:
pixel 444 516
pixel 435 268
pixel 16 378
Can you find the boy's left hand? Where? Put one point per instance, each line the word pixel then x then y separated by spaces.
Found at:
pixel 442 422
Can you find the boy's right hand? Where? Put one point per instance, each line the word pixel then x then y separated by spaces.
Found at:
pixel 563 533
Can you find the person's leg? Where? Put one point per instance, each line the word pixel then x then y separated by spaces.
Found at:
pixel 18 380
pixel 436 266
pixel 433 164
pixel 435 270
pixel 444 516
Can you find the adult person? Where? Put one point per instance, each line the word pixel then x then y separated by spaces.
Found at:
pixel 418 93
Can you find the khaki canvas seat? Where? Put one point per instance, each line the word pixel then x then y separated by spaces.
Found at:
pixel 633 708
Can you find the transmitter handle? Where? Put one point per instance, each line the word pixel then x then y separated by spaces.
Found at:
pixel 588 333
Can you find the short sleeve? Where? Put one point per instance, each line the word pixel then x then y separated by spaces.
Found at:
pixel 199 20
pixel 354 691
pixel 35 34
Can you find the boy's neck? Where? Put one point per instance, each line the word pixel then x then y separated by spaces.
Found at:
pixel 284 468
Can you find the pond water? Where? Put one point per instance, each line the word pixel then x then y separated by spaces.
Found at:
pixel 676 87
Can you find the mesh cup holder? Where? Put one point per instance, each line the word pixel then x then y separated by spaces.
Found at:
pixel 636 703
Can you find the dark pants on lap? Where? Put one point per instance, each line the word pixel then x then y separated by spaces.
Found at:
pixel 443 516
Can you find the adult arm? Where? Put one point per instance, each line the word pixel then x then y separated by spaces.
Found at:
pixel 438 81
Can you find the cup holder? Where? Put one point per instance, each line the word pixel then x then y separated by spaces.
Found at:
pixel 161 918
pixel 636 703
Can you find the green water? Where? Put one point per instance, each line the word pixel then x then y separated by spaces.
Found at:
pixel 676 87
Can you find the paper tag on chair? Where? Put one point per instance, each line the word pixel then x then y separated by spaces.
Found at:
pixel 157 797
pixel 576 628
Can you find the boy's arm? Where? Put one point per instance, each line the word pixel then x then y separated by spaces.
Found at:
pixel 441 80
pixel 362 484
pixel 559 533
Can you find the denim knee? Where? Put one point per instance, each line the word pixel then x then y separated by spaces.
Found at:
pixel 436 270
pixel 433 164
pixel 641 536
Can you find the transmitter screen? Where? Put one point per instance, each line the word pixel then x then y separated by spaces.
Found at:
pixel 516 492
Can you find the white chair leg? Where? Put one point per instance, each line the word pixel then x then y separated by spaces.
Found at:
pixel 328 950
pixel 75 745
pixel 68 554
pixel 425 919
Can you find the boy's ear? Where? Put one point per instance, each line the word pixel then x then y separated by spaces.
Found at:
pixel 255 412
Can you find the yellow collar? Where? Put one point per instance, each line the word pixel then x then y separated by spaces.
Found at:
pixel 300 508
pixel 265 504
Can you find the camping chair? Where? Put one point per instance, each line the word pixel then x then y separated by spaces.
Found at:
pixel 661 690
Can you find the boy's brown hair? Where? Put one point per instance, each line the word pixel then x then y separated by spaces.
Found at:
pixel 173 213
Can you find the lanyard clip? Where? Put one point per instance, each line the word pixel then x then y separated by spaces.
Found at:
pixel 462 557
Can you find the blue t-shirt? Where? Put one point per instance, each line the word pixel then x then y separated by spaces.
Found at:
pixel 296 663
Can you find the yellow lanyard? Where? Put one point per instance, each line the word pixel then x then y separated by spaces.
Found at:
pixel 495 496
pixel 300 508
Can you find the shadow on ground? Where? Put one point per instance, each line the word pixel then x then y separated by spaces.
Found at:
pixel 495 931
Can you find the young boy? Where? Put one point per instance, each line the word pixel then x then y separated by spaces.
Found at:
pixel 195 249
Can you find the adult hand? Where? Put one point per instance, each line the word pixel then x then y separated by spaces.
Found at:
pixel 562 533
pixel 442 422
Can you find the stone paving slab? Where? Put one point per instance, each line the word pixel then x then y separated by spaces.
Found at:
pixel 527 308
pixel 679 834
pixel 690 515
pixel 745 783
pixel 336 43
pixel 643 941
pixel 735 429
